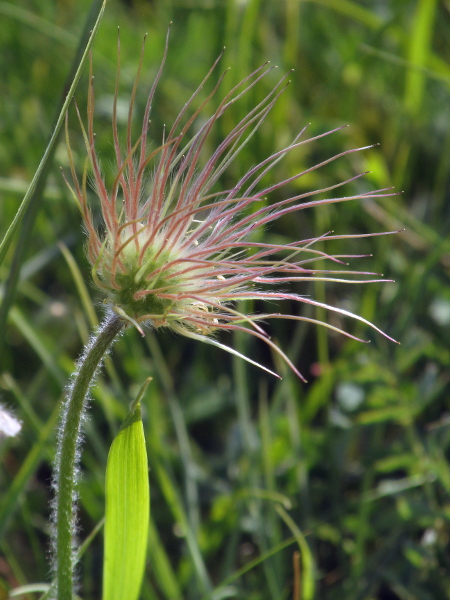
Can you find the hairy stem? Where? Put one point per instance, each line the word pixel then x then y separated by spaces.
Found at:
pixel 67 456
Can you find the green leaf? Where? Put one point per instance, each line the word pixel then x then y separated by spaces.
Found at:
pixel 127 510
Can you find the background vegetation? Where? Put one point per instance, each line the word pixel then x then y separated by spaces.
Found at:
pixel 246 469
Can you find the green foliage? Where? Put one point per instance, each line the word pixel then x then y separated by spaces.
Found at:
pixel 350 469
pixel 127 510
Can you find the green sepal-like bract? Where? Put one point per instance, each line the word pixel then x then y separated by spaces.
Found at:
pixel 127 510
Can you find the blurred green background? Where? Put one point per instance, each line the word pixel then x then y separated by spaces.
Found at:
pixel 245 470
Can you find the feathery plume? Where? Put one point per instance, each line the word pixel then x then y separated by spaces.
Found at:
pixel 173 251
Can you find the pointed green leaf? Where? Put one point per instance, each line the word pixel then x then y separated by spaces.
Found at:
pixel 127 511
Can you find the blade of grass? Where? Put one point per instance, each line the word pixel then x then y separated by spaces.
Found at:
pixel 307 580
pixel 367 17
pixel 250 565
pixel 291 45
pixel 39 345
pixel 161 567
pixel 173 500
pixel 420 40
pixel 252 474
pixel 81 286
pixel 37 23
pixel 27 211
pixel 192 497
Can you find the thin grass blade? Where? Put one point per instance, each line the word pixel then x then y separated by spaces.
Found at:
pixel 12 230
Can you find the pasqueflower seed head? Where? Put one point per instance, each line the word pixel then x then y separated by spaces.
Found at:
pixel 172 250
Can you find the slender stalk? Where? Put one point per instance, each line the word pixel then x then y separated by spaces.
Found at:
pixel 68 454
